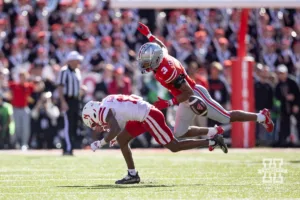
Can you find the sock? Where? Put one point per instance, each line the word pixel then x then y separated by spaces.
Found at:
pixel 132 172
pixel 211 142
pixel 211 132
pixel 260 117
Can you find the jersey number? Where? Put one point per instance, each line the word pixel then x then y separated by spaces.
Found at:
pixel 122 98
pixel 164 70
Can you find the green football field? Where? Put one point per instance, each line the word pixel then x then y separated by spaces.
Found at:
pixel 196 174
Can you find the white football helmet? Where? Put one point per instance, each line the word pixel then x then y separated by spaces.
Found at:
pixel 149 57
pixel 90 113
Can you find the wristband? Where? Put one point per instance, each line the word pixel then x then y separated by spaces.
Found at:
pixel 173 102
pixel 102 143
pixel 151 37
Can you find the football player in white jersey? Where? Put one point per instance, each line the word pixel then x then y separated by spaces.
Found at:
pixel 126 117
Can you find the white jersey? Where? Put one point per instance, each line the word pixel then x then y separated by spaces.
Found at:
pixel 125 108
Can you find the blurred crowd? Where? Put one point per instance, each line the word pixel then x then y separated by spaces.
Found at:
pixel 36 36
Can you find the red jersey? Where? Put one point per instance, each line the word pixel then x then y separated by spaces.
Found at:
pixel 168 70
pixel 20 93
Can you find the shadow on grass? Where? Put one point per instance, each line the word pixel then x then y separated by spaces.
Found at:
pixel 141 185
pixel 294 161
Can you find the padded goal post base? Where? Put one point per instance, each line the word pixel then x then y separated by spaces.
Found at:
pixel 243 133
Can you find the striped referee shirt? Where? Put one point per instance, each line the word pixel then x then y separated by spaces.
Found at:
pixel 70 80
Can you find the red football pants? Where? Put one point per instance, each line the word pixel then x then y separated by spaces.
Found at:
pixel 154 124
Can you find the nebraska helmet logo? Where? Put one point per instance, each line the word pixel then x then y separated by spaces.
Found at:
pixel 86 116
pixel 199 106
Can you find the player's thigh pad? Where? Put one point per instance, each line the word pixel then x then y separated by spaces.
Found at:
pixel 184 118
pixel 156 125
pixel 214 110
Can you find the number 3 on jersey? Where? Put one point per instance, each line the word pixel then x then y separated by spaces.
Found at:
pixel 164 70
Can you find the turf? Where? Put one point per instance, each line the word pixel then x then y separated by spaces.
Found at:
pixel 197 174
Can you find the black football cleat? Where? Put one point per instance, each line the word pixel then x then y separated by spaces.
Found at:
pixel 219 142
pixel 129 179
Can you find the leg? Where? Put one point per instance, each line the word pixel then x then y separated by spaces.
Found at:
pixel 131 130
pixel 214 110
pixel 218 113
pixel 18 125
pixel 158 128
pixel 123 140
pixel 194 131
pixel 73 129
pixel 26 126
pixel 176 145
pixel 67 142
pixel 184 117
pixel 242 116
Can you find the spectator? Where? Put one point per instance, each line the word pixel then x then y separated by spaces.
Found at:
pixel 201 45
pixel 217 87
pixel 6 117
pixel 105 27
pixel 120 84
pixel 194 73
pixel 61 52
pixel 4 87
pixel 228 72
pixel 117 32
pixel 85 49
pixel 101 90
pixel 287 91
pixel 105 53
pixel 285 56
pixel 222 52
pixel 184 52
pixel 264 96
pixel 46 115
pixel 21 92
pixel 269 56
pixel 129 28
pixel 296 59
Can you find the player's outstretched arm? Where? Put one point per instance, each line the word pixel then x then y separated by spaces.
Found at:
pixel 143 29
pixel 114 127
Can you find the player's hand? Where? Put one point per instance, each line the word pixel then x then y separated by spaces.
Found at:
pixel 161 104
pixel 101 128
pixel 113 142
pixel 143 29
pixel 95 145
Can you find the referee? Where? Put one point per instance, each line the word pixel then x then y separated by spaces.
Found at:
pixel 69 88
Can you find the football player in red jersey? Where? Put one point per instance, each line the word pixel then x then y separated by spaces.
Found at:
pixel 153 56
